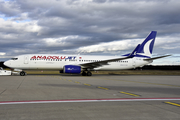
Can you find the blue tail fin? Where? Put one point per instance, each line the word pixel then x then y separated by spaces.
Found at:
pixel 131 55
pixel 146 48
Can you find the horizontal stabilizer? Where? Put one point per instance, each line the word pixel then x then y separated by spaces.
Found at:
pixel 156 57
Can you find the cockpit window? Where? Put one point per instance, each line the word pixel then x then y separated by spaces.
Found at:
pixel 14 58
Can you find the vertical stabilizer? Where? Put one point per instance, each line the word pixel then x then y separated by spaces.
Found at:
pixel 146 48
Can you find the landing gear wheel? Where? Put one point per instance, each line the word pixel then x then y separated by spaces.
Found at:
pixel 22 73
pixel 89 73
pixel 84 73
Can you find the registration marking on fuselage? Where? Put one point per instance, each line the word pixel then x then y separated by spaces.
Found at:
pixel 89 100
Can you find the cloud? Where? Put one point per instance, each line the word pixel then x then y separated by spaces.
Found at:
pixel 2 53
pixel 13 26
pixel 9 8
pixel 109 46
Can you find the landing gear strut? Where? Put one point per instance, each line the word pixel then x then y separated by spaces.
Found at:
pixel 88 73
pixel 84 73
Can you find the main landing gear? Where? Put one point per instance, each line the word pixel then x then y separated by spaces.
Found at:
pixel 22 73
pixel 88 73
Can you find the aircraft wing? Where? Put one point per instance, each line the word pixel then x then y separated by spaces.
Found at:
pixel 92 65
pixel 101 63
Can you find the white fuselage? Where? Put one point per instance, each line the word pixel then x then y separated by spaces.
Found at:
pixel 57 62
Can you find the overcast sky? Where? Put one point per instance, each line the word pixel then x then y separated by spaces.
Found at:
pixel 93 27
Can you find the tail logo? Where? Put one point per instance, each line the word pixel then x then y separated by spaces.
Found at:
pixel 146 49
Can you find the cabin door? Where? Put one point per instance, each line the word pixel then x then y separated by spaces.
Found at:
pixel 26 60
pixel 134 62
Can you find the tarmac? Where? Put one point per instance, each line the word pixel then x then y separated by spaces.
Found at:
pixel 99 97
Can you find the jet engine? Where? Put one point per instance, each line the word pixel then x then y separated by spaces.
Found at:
pixel 72 69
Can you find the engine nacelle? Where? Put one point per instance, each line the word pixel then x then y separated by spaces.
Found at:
pixel 73 69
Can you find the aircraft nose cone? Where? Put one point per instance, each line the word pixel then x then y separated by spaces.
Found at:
pixel 7 63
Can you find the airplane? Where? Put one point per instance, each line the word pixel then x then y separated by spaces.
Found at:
pixel 84 64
